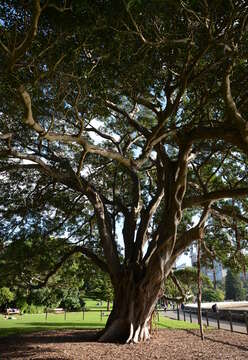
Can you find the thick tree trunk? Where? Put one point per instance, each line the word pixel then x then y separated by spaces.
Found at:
pixel 133 306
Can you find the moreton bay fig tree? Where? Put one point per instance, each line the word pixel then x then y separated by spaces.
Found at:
pixel 122 122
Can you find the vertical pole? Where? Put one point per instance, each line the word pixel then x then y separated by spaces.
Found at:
pixel 46 314
pixel 65 315
pixel 207 317
pixel 199 297
pixel 190 316
pixel 184 317
pixel 218 319
pixel 230 320
pixel 101 315
pixel 178 315
pixel 246 321
pixel 83 314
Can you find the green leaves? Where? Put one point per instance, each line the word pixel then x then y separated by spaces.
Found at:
pixel 6 296
pixel 133 3
pixel 233 287
pixel 117 92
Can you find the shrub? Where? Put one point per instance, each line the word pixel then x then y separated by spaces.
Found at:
pixel 212 295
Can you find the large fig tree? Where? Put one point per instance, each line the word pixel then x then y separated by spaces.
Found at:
pixel 122 122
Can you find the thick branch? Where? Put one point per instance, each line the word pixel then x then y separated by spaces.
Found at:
pixel 231 212
pixel 65 138
pixel 228 133
pixel 77 249
pixel 132 215
pixel 232 111
pixel 194 233
pixel 214 196
pixel 105 230
pixel 176 282
pixel 146 216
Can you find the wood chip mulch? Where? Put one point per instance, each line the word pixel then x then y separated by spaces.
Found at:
pixel 164 344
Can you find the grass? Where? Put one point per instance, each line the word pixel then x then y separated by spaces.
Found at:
pixel 92 320
pixel 37 322
pixel 74 320
pixel 95 304
pixel 166 323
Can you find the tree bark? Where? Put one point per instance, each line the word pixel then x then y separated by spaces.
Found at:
pixel 133 306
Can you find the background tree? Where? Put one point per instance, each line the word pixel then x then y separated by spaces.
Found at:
pixel 233 287
pixel 212 295
pixel 6 296
pixel 185 287
pixel 128 116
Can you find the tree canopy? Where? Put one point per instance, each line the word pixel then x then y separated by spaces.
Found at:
pixel 233 287
pixel 124 115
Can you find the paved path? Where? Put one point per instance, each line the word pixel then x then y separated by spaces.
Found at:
pixel 225 325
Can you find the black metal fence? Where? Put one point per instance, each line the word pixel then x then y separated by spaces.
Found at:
pixel 235 320
pixel 102 313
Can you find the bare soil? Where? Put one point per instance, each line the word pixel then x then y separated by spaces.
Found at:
pixel 165 344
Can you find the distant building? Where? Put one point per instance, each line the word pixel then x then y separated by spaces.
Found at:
pixel 215 273
pixel 193 256
pixel 181 266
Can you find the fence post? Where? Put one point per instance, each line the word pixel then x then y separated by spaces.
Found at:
pixel 46 314
pixel 190 316
pixel 230 320
pixel 65 315
pixel 178 314
pixel 207 317
pixel 101 315
pixel 184 316
pixel 246 321
pixel 83 314
pixel 218 319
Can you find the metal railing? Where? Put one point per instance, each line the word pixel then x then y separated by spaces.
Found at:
pixel 235 321
pixel 102 313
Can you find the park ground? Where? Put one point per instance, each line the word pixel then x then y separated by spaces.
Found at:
pixel 164 344
pixel 35 337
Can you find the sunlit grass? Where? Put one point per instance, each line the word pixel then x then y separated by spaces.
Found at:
pixel 166 323
pixel 92 320
pixel 36 322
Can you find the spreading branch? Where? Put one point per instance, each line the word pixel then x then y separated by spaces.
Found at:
pixel 77 249
pixel 212 196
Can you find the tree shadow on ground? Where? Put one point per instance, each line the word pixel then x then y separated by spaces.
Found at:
pixel 24 346
pixel 240 347
pixel 33 327
pixel 53 336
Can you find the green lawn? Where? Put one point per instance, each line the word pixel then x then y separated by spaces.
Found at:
pixel 92 320
pixel 37 322
pixel 166 323
pixel 95 304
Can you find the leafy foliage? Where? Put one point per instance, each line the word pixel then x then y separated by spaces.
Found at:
pixel 233 287
pixel 6 296
pixel 122 122
pixel 212 295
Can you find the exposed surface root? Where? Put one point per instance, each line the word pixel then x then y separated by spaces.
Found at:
pixel 118 331
pixel 123 331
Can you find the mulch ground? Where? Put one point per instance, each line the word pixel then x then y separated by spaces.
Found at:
pixel 165 344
